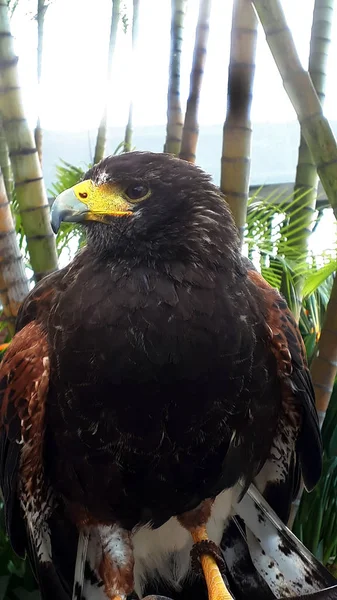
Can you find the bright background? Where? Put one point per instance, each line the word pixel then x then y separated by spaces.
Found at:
pixel 73 85
pixel 75 53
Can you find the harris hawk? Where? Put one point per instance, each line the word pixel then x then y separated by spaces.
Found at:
pixel 148 385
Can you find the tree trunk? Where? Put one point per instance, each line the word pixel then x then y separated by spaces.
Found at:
pixel 316 129
pixel 306 174
pixel 174 113
pixel 40 16
pixel 30 191
pixel 237 131
pixel 190 129
pixel 135 27
pixel 13 279
pixel 101 134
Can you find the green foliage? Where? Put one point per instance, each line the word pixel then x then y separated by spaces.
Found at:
pixel 67 175
pixel 269 240
pixel 16 579
pixel 316 520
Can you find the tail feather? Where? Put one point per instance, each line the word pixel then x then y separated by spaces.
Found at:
pixel 87 583
pixel 82 551
pixel 278 556
pixel 243 579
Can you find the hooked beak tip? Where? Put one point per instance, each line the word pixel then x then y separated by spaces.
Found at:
pixel 67 207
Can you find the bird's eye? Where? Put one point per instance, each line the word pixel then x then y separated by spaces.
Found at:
pixel 137 191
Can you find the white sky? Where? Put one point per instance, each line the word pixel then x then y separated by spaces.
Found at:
pixel 74 67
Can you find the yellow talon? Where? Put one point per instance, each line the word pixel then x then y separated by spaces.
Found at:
pixel 3 347
pixel 215 584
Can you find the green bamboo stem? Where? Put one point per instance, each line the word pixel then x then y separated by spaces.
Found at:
pixel 324 364
pixel 5 164
pixel 306 173
pixel 191 130
pixel 237 131
pixel 40 16
pixel 102 129
pixel 174 126
pixel 135 27
pixel 30 191
pixel 13 278
pixel 300 89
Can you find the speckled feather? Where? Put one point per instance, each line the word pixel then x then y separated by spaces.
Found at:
pixel 168 357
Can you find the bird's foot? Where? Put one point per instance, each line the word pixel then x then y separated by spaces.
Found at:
pixel 207 555
pixel 211 549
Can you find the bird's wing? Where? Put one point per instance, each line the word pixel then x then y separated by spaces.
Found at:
pixel 34 525
pixel 299 453
pixel 262 555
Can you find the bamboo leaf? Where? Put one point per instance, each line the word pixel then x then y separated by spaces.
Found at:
pixel 316 278
pixel 310 343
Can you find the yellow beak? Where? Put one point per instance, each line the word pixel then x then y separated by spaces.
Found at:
pixel 88 202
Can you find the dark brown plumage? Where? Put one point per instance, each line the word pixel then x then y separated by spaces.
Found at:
pixel 174 372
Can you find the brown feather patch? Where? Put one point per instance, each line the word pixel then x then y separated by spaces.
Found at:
pixel 25 366
pixel 285 342
pixel 197 517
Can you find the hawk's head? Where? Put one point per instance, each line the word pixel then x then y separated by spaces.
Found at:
pixel 145 204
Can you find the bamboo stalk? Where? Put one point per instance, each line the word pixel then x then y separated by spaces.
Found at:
pixel 135 27
pixel 102 130
pixel 191 130
pixel 324 365
pixel 5 163
pixel 237 131
pixel 30 191
pixel 40 16
pixel 299 87
pixel 306 173
pixel 13 278
pixel 174 126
